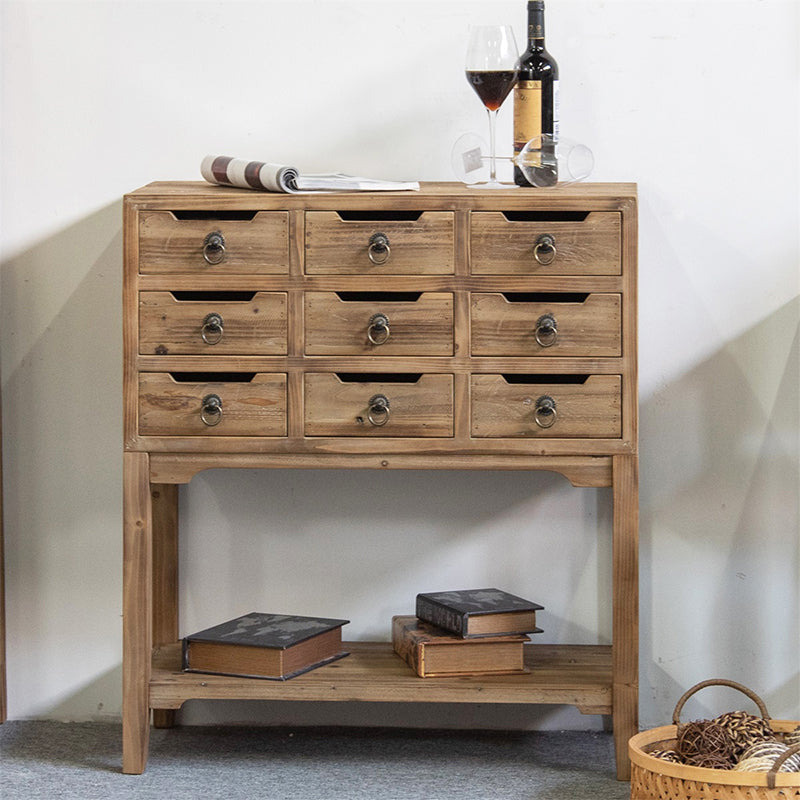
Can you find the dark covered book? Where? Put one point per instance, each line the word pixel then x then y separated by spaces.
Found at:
pixel 432 652
pixel 273 646
pixel 478 612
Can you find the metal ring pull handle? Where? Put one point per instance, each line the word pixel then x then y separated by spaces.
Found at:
pixel 378 329
pixel 212 329
pixel 212 410
pixel 545 413
pixel 214 248
pixel 546 330
pixel 378 413
pixel 545 249
pixel 379 250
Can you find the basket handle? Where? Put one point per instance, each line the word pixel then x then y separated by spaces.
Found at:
pixel 795 748
pixel 718 682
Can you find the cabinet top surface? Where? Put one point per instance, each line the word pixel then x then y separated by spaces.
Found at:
pixel 429 193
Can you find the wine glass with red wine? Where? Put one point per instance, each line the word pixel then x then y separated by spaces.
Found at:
pixel 492 65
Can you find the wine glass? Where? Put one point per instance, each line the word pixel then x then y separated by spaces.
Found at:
pixel 491 67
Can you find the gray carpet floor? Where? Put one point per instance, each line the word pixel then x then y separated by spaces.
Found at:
pixel 45 759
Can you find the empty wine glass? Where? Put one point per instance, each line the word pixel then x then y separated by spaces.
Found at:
pixel 491 66
pixel 570 160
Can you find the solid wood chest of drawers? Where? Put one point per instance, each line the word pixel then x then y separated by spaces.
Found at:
pixel 442 329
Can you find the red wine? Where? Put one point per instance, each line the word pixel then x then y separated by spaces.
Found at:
pixel 493 86
pixel 536 102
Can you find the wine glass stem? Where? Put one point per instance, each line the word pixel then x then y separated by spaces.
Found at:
pixel 492 158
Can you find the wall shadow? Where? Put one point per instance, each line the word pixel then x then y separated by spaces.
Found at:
pixel 720 527
pixel 719 512
pixel 60 325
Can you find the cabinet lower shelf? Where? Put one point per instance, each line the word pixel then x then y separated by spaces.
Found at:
pixel 578 675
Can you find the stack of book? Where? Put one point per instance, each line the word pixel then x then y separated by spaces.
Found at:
pixel 271 646
pixel 466 632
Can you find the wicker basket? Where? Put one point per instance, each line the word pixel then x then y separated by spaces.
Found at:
pixel 656 779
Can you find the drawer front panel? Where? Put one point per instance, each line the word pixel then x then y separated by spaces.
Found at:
pixel 172 245
pixel 503 407
pixel 212 324
pixel 350 407
pixel 247 406
pixel 422 246
pixel 552 325
pixel 508 244
pixel 382 325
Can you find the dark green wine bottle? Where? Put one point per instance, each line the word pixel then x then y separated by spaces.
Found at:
pixel 536 103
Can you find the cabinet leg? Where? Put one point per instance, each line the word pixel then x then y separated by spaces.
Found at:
pixel 137 612
pixel 625 648
pixel 164 499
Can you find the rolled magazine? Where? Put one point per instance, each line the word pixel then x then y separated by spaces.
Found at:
pixel 264 176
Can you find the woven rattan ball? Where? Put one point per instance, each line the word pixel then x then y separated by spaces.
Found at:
pixel 667 755
pixel 793 737
pixel 765 749
pixel 761 756
pixel 754 765
pixel 709 761
pixel 744 729
pixel 704 738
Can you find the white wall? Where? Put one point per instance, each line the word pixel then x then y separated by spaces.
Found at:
pixel 696 101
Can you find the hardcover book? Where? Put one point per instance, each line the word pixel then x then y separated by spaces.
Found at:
pixel 272 646
pixel 479 612
pixel 432 652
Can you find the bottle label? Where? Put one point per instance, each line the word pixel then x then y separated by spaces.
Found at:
pixel 527 113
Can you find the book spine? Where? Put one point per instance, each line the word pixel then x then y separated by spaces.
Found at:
pixel 442 616
pixel 406 646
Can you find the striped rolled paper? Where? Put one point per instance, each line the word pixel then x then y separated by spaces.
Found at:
pixel 246 174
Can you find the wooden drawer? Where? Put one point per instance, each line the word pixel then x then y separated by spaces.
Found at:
pixel 177 405
pixel 212 323
pixel 379 323
pixel 545 325
pixel 251 243
pixel 418 243
pixel 516 243
pixel 565 406
pixel 418 405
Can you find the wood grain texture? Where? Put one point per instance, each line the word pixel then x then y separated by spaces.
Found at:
pixel 504 327
pixel 582 247
pixel 578 675
pixel 255 407
pixel 584 410
pixel 422 326
pixel 625 656
pixel 137 611
pixel 340 247
pixel 164 500
pixel 459 371
pixel 334 407
pixel 170 245
pixel 169 325
pixel 581 471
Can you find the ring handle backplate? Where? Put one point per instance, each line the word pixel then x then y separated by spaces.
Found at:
pixel 214 248
pixel 378 410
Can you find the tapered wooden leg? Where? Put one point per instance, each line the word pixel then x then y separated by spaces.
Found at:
pixel 164 498
pixel 625 646
pixel 137 611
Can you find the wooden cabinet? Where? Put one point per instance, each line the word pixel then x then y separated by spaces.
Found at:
pixel 448 328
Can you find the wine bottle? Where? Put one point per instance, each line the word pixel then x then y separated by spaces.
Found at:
pixel 536 103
